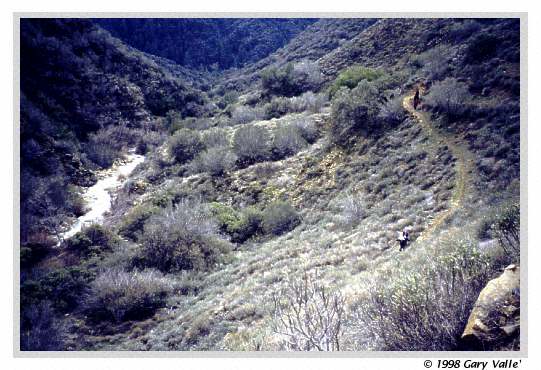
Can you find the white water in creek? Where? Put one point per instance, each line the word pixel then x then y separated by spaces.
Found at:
pixel 98 197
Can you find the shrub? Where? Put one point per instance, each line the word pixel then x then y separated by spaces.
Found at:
pixel 185 144
pixel 280 106
pixel 481 48
pixel 280 217
pixel 215 137
pixel 463 30
pixel 245 114
pixel 102 149
pixel 133 223
pixel 309 315
pixel 216 161
pixel 105 145
pixel 434 62
pixel 239 225
pixel 174 122
pixel 91 239
pixel 307 75
pixel 307 129
pixel 35 251
pixel 120 295
pixel 507 230
pixel 182 238
pixel 63 287
pixel 277 107
pixel 423 308
pixel 251 144
pixel 277 81
pixel 150 139
pixel 287 141
pixel 393 111
pixel 449 96
pixel 308 102
pixel 351 77
pixel 353 209
pixel 354 111
pixel 228 98
pixel 40 330
pixel 291 79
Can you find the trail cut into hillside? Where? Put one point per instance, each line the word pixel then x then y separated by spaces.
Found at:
pixel 464 164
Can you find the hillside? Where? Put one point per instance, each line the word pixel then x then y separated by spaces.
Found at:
pixel 87 98
pixel 265 212
pixel 314 42
pixel 200 43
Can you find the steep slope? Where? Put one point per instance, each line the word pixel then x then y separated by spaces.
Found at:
pixel 313 43
pixel 77 81
pixel 207 43
pixel 390 41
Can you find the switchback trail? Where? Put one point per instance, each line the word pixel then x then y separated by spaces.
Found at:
pixel 464 165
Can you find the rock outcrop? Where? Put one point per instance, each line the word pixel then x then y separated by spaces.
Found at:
pixel 495 319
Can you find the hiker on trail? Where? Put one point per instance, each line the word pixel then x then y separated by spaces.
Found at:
pixel 416 99
pixel 403 238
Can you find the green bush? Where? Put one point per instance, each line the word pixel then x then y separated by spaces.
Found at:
pixel 63 287
pixel 92 239
pixel 181 238
pixel 120 295
pixel 31 253
pixel 276 81
pixel 280 217
pixel 291 80
pixel 132 225
pixel 351 77
pixel 355 112
pixel 185 144
pixel 251 144
pixel 240 226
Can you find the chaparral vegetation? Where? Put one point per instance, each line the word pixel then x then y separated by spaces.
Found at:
pixel 269 184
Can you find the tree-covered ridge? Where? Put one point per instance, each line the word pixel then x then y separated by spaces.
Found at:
pixel 206 43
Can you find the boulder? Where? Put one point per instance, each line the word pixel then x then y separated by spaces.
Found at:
pixel 495 317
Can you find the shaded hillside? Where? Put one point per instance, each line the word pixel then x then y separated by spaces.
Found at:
pixel 84 96
pixel 207 43
pixel 313 43
pixel 390 41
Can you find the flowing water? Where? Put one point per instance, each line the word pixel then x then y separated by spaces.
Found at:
pixel 98 197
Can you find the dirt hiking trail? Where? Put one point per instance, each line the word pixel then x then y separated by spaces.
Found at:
pixel 463 165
